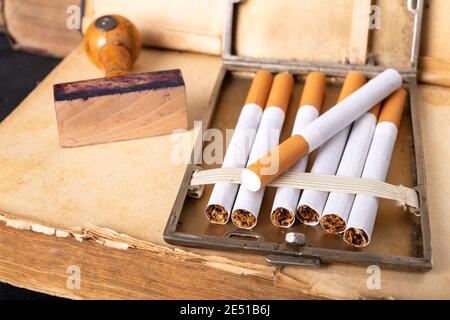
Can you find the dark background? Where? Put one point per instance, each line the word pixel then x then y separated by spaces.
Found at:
pixel 20 73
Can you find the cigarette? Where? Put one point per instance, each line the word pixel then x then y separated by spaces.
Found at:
pixel 311 204
pixel 248 203
pixel 338 205
pixel 277 161
pixel 223 194
pixel 364 210
pixel 286 199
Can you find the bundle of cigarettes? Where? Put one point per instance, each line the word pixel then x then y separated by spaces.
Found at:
pixel 351 143
pixel 364 210
pixel 248 203
pixel 286 199
pixel 338 205
pixel 260 173
pixel 223 194
pixel 312 202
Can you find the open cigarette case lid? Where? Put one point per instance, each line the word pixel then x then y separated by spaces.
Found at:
pixel 272 35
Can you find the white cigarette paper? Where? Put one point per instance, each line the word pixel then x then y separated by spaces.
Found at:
pixel 248 203
pixel 267 137
pixel 351 108
pixel 364 210
pixel 223 194
pixel 312 202
pixel 338 205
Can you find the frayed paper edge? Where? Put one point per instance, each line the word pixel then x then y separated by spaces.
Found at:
pixel 34 226
pixel 112 239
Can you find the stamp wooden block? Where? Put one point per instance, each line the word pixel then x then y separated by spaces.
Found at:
pixel 120 108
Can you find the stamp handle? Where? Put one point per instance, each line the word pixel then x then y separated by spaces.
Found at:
pixel 113 44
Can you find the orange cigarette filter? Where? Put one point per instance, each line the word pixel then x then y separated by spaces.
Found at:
pixel 314 90
pixel 280 93
pixel 393 107
pixel 260 88
pixel 376 110
pixel 279 160
pixel 353 81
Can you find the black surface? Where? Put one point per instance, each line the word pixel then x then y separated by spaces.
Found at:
pixel 19 74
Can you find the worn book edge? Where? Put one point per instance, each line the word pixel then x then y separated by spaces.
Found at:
pixel 113 239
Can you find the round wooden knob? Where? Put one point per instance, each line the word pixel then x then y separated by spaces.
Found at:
pixel 113 44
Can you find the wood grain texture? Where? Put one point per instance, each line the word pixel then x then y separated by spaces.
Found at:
pixel 40 262
pixel 120 108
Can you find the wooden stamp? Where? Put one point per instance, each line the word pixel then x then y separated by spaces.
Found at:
pixel 120 106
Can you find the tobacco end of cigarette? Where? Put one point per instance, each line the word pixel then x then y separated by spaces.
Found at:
pixel 243 219
pixel 280 93
pixel 307 215
pixel 356 237
pixel 314 90
pixel 260 88
pixel 393 107
pixel 353 81
pixel 282 217
pixel 217 214
pixel 332 223
pixel 277 161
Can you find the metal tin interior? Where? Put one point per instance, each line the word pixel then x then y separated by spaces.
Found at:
pixel 230 57
pixel 400 238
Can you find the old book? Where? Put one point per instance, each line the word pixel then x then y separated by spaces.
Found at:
pixel 42 26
